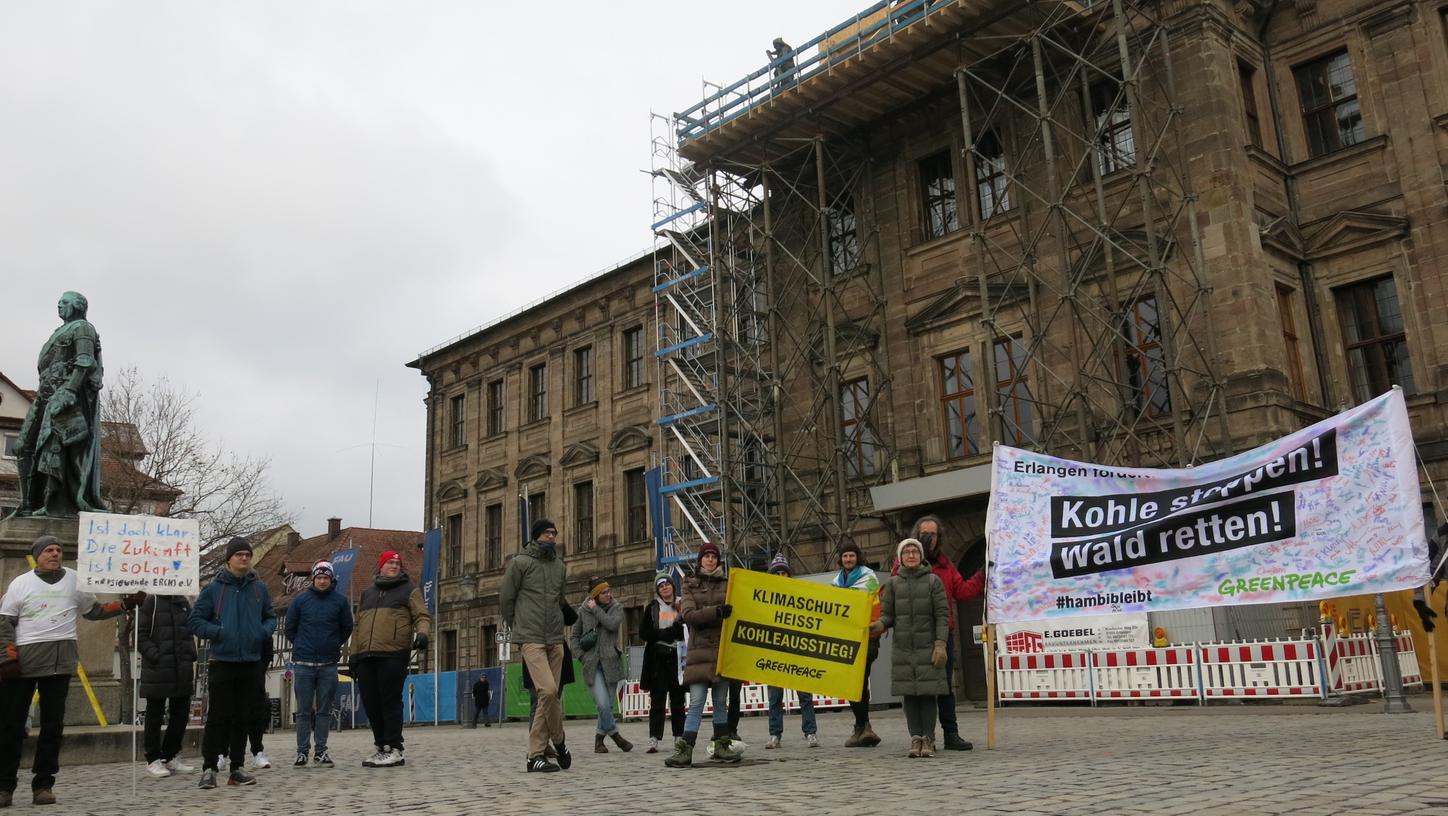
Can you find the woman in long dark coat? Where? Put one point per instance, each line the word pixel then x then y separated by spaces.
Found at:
pixel 168 676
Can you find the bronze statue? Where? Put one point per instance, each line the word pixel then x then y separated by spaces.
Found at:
pixel 59 451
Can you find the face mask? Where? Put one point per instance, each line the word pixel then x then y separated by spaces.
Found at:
pixel 928 539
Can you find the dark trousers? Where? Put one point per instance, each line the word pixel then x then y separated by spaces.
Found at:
pixel 946 702
pixel 231 696
pixel 735 687
pixel 478 710
pixel 861 707
pixel 677 711
pixel 178 709
pixel 14 707
pixel 260 714
pixel 380 681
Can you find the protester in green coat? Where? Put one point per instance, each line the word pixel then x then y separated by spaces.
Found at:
pixel 913 604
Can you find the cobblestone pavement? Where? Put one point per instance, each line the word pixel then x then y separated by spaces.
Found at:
pixel 1222 760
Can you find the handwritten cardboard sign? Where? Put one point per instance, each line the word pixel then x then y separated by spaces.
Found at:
pixel 124 554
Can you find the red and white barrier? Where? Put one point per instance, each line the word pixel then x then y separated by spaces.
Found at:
pixel 753 699
pixel 1160 673
pixel 1408 659
pixel 1045 676
pixel 1286 668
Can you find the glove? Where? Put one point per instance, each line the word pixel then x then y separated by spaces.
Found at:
pixel 419 641
pixel 725 610
pixel 1425 613
pixel 570 615
pixel 133 600
pixel 877 628
pixel 937 654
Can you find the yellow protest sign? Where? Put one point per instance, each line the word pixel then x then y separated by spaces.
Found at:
pixel 795 634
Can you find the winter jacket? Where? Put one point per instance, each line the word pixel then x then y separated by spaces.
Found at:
pixel 913 604
pixel 956 587
pixel 236 615
pixel 318 624
pixel 482 692
pixel 703 595
pixel 660 667
pixel 605 652
pixel 531 596
pixel 168 654
pixel 390 613
pixel 862 578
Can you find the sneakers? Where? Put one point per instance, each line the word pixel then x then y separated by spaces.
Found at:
pixel 539 764
pixel 176 766
pixel 259 760
pixel 240 777
pixel 324 759
pixel 371 762
pixel 390 757
pixel 653 746
pixel 562 754
pixel 208 780
pixel 811 741
pixel 953 742
pixel 772 743
pixel 158 769
pixel 300 761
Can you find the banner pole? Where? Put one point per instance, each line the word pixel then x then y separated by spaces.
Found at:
pixel 990 687
pixel 1437 682
pixel 135 699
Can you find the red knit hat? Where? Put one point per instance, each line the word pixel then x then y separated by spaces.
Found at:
pixel 387 555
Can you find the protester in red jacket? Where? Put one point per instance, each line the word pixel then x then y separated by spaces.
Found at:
pixel 927 531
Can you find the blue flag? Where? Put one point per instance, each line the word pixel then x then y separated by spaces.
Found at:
pixel 342 563
pixel 431 551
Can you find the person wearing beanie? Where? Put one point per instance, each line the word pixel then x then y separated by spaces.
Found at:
pixel 234 612
pixel 913 604
pixel 927 531
pixel 319 621
pixel 662 630
pixel 392 622
pixel 704 611
pixel 168 675
pixel 854 574
pixel 38 654
pixel 532 604
pixel 779 565
pixel 595 642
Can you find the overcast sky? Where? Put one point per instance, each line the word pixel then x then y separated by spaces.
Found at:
pixel 278 204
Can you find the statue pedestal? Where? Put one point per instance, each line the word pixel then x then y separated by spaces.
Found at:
pixel 97 638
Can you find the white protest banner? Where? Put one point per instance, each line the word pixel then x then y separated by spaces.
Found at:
pixel 124 554
pixel 1333 509
pixel 1128 630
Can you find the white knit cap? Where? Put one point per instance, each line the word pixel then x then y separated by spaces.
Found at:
pixel 909 542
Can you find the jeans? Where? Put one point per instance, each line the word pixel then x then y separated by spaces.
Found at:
pixel 232 694
pixel 674 696
pixel 15 697
pixel 379 682
pixel 776 712
pixel 719 692
pixel 603 697
pixel 861 707
pixel 316 689
pixel 179 711
pixel 946 702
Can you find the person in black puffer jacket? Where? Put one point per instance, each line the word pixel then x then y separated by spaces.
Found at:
pixel 168 677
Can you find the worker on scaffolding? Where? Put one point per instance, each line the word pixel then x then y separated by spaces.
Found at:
pixel 781 56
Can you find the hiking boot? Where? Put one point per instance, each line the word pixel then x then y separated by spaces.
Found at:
pixel 953 742
pixel 240 777
pixel 868 737
pixel 564 756
pixel 540 764
pixel 158 769
pixel 598 746
pixel 854 740
pixel 623 744
pixel 176 766
pixel 653 746
pixel 724 751
pixel 42 796
pixel 300 761
pixel 771 743
pixel 324 759
pixel 916 744
pixel 811 741
pixel 208 780
pixel 683 755
pixel 927 747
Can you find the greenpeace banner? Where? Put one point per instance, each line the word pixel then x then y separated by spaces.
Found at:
pixel 124 554
pixel 1333 509
pixel 795 634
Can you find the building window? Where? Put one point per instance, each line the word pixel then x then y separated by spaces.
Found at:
pixel 1115 143
pixel 844 238
pixel 490 646
pixel 1247 76
pixel 633 357
pixel 453 547
pixel 457 421
pixel 1145 358
pixel 957 398
pixel 1013 392
pixel 937 189
pixel 637 497
pixel 1290 342
pixel 583 516
pixel 992 192
pixel 449 650
pixel 538 392
pixel 1373 337
pixel 1330 112
pixel 859 438
pixel 11 440
pixel 583 375
pixel 495 407
pixel 493 531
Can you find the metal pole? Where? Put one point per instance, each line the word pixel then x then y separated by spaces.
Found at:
pixel 832 363
pixel 1394 700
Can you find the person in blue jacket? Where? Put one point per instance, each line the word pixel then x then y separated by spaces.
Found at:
pixel 234 612
pixel 319 621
